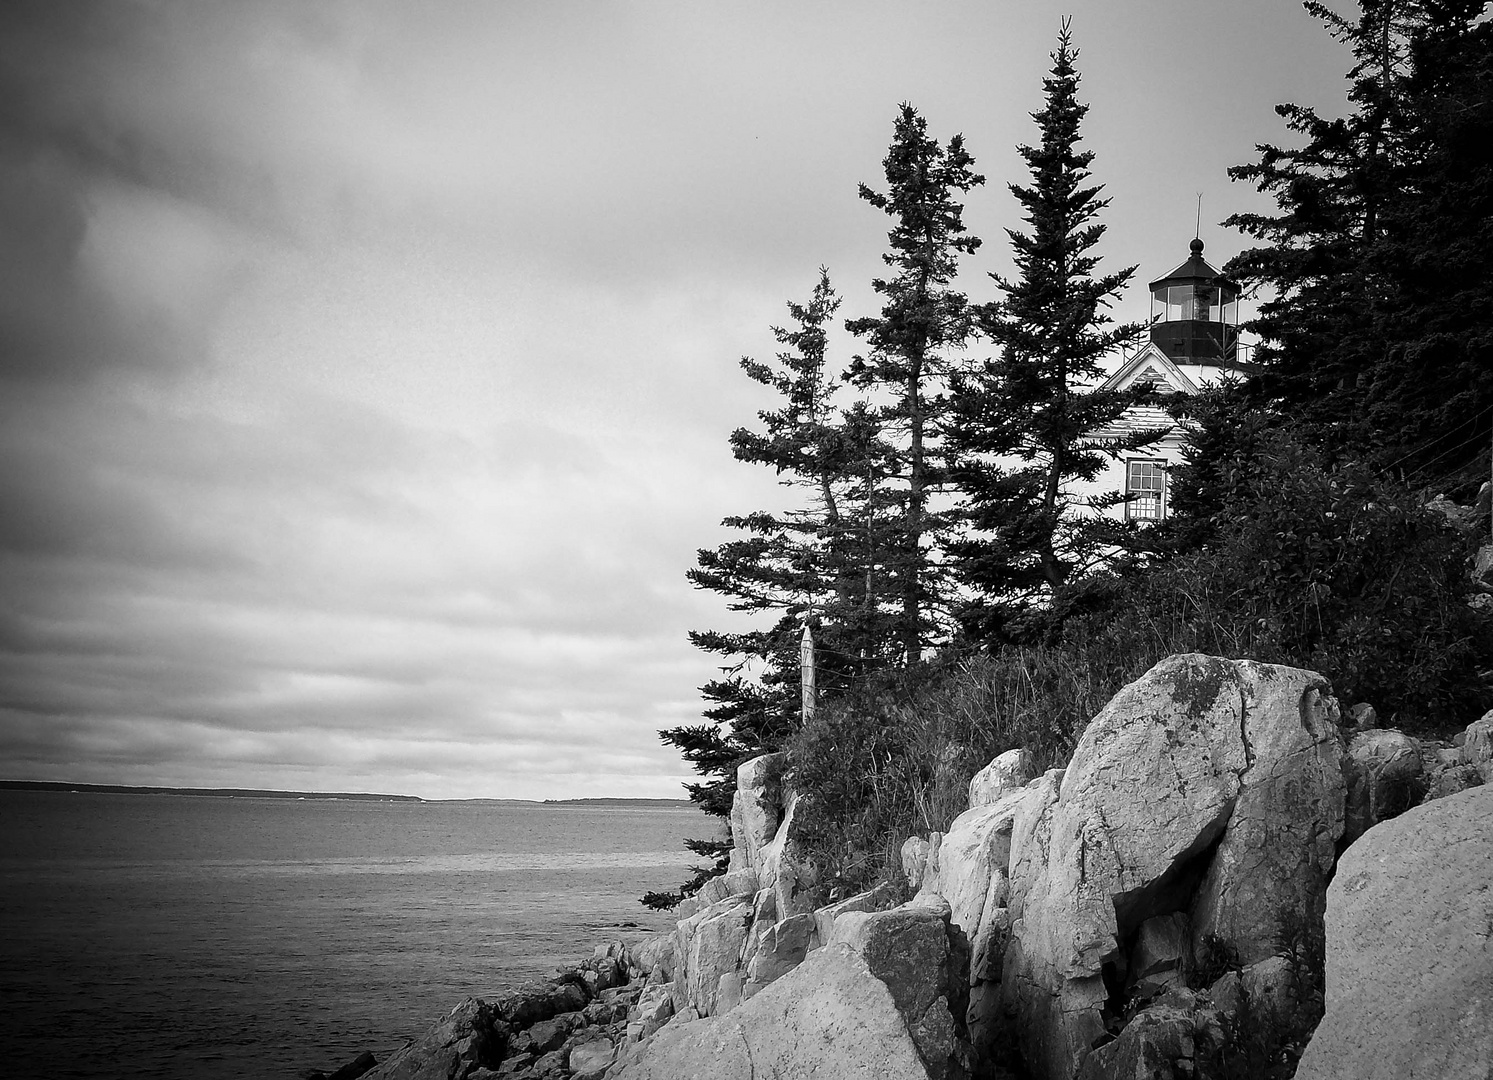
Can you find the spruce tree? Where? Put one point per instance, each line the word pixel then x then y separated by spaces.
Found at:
pixel 1023 419
pixel 924 320
pixel 1375 275
pixel 824 563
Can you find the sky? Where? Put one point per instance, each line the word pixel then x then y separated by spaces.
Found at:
pixel 366 369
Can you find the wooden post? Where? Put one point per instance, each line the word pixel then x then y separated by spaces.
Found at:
pixel 806 671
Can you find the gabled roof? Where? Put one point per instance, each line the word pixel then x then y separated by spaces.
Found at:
pixel 1149 363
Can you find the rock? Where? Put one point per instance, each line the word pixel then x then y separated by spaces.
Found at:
pixel 709 945
pixel 968 868
pixel 764 917
pixel 1477 745
pixel 756 809
pixel 1482 567
pixel 1209 786
pixel 1363 716
pixel 727 993
pixel 655 954
pixel 1162 957
pixel 914 860
pixel 989 946
pixel 725 886
pixel 829 1018
pixel 1451 780
pixel 549 1066
pixel 787 867
pixel 1461 518
pixel 877 899
pixel 1381 769
pixel 779 950
pixel 467 1037
pixel 535 1003
pixel 589 1060
pixel 610 962
pixel 1270 872
pixel 1409 987
pixel 1009 771
pixel 546 1035
pixel 599 1013
pixel 908 949
pixel 1162 1041
pixel 652 1012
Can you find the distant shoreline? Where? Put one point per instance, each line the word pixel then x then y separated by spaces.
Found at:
pixel 362 796
pixel 619 801
pixel 218 793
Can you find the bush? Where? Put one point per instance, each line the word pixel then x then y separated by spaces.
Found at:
pixel 1333 570
pixel 895 759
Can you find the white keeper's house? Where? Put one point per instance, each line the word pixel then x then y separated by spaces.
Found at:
pixel 1194 340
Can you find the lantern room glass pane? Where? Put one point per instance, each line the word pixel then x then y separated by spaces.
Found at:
pixel 1178 303
pixel 1205 303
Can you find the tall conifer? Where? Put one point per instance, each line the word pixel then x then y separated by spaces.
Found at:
pixel 1023 419
pixel 1375 276
pixel 923 321
pixel 825 562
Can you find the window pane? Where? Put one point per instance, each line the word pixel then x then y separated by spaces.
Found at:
pixel 1145 484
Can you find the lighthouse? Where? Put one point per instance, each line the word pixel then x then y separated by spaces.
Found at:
pixel 1193 341
pixel 1195 316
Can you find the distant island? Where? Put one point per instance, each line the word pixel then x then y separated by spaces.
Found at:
pixel 660 803
pixel 220 793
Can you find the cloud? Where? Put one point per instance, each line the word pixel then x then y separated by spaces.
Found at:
pixel 366 369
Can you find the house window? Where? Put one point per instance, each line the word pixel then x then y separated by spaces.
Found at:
pixel 1145 489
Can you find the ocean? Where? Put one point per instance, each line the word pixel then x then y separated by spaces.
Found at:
pixel 171 937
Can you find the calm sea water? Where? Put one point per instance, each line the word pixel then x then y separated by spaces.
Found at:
pixel 164 936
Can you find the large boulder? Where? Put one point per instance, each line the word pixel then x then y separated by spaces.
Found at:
pixel 708 945
pixel 780 949
pixel 655 953
pixel 787 867
pixel 1207 786
pixel 915 951
pixel 968 865
pixel 878 899
pixel 1381 769
pixel 1477 746
pixel 1008 772
pixel 1164 1041
pixel 829 1018
pixel 1409 989
pixel 1266 884
pixel 756 809
pixel 469 1037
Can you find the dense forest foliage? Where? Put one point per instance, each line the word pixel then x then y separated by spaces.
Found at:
pixel 962 600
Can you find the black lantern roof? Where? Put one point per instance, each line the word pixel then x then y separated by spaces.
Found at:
pixel 1195 269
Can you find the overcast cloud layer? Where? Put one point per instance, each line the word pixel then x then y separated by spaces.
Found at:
pixel 366 369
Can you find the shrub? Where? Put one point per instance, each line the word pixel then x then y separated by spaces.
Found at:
pixel 1331 569
pixel 895 759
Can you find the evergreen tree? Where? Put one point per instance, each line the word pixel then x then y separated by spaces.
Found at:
pixel 1024 418
pixel 923 320
pixel 823 563
pixel 1376 324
